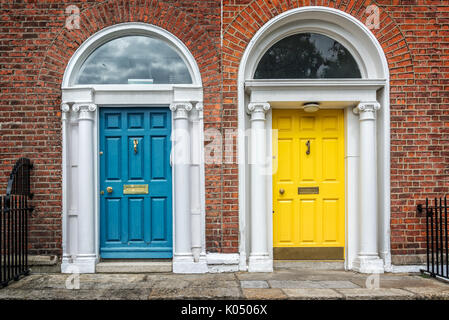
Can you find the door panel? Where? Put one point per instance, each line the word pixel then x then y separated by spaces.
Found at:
pixel 310 152
pixel 136 150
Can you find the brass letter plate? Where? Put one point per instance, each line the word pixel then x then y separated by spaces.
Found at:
pixel 135 189
pixel 308 190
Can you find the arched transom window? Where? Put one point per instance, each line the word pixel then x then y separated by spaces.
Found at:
pixel 307 56
pixel 134 60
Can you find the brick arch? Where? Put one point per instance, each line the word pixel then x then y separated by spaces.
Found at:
pixel 258 12
pixel 111 12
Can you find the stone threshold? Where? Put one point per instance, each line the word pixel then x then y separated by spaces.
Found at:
pixel 309 264
pixel 133 267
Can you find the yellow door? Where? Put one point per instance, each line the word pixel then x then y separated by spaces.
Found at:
pixel 308 185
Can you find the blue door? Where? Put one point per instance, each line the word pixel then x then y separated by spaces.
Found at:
pixel 135 183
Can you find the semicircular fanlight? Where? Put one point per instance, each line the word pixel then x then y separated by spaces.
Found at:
pixel 134 59
pixel 307 56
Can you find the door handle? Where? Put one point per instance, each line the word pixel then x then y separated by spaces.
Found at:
pixel 281 191
pixel 109 189
pixel 308 147
pixel 136 142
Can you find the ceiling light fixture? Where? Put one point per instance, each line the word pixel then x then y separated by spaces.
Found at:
pixel 311 106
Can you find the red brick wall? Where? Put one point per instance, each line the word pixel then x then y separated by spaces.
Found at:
pixel 35 48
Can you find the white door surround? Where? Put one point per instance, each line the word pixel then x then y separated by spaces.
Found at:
pixel 367 138
pixel 80 135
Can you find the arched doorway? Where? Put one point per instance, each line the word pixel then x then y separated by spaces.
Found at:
pixel 315 58
pixel 132 117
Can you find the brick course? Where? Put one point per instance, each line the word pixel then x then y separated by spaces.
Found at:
pixel 35 48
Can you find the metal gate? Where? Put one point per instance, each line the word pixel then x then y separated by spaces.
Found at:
pixel 437 238
pixel 14 211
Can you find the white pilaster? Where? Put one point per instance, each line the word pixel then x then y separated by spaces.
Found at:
pixel 259 258
pixel 368 260
pixel 65 110
pixel 86 257
pixel 183 261
pixel 199 256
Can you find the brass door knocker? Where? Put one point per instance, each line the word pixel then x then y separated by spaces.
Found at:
pixel 136 142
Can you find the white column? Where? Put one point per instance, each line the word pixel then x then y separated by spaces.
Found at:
pixel 259 258
pixel 183 261
pixel 199 257
pixel 368 260
pixel 86 257
pixel 65 108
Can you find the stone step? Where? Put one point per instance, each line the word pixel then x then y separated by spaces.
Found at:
pixel 134 267
pixel 308 264
pixel 44 264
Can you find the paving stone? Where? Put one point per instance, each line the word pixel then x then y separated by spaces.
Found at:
pixel 253 284
pixel 196 293
pixel 131 294
pixel 108 285
pixel 303 275
pixel 364 293
pixel 21 294
pixel 338 284
pixel 281 284
pixel 429 292
pixel 256 276
pixel 293 284
pixel 263 294
pixel 198 277
pixel 182 284
pixel 115 278
pixel 24 282
pixel 389 281
pixel 312 294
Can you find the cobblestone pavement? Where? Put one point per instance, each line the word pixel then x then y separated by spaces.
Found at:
pixel 281 284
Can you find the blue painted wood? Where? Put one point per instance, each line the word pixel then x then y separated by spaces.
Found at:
pixel 135 226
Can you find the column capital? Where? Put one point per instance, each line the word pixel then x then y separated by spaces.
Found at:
pixel 367 109
pixel 85 110
pixel 199 106
pixel 258 107
pixel 65 108
pixel 181 109
pixel 257 110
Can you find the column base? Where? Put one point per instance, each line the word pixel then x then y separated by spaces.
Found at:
pixel 243 266
pixel 260 263
pixel 186 264
pixel 368 264
pixel 222 262
pixel 80 264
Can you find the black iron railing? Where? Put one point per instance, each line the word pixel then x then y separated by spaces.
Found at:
pixel 436 238
pixel 14 211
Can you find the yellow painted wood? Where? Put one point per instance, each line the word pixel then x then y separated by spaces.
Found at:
pixel 308 220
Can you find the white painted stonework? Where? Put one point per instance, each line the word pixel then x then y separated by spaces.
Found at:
pixel 80 116
pixel 367 138
pixel 367 149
